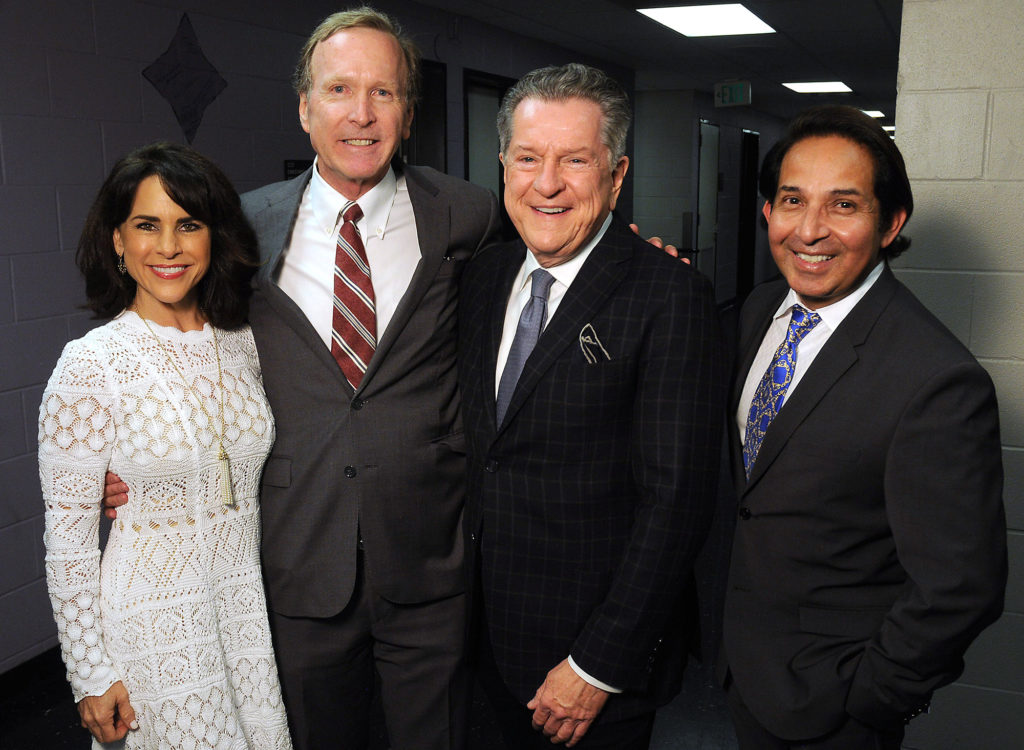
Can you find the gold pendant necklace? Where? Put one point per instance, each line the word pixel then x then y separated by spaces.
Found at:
pixel 226 492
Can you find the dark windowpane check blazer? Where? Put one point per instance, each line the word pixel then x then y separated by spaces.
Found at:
pixel 588 504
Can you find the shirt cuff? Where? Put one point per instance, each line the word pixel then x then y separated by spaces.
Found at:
pixel 592 680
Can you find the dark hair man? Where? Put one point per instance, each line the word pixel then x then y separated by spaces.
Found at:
pixel 870 547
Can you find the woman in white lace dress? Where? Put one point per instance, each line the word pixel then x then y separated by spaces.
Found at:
pixel 165 636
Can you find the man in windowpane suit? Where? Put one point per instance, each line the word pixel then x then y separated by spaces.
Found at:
pixel 593 396
pixel 870 547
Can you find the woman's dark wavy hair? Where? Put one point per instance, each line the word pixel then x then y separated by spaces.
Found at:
pixel 197 185
pixel 891 186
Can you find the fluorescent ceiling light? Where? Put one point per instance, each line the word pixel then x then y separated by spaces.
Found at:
pixel 709 20
pixel 873 113
pixel 818 87
pixel 889 128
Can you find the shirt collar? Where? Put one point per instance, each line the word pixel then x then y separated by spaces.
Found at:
pixel 375 203
pixel 834 314
pixel 565 273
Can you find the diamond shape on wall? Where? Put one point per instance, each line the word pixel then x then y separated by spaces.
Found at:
pixel 185 78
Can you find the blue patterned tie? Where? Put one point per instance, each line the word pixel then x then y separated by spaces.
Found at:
pixel 531 323
pixel 771 391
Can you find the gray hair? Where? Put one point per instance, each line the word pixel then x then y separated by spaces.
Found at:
pixel 359 18
pixel 572 81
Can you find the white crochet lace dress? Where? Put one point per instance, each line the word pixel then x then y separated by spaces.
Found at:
pixel 175 608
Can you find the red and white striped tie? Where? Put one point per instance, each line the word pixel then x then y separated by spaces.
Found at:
pixel 354 334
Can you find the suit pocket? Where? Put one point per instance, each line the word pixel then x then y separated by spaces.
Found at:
pixel 453 264
pixel 607 370
pixel 861 624
pixel 277 472
pixel 455 442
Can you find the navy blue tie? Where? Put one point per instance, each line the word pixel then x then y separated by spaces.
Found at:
pixel 771 391
pixel 531 323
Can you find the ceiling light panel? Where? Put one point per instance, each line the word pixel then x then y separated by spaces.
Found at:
pixel 709 20
pixel 819 87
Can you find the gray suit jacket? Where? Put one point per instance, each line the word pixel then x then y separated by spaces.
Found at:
pixel 386 463
pixel 871 544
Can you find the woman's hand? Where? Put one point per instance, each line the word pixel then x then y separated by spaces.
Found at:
pixel 115 494
pixel 108 716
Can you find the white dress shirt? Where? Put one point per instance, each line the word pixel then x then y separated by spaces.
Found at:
pixel 565 274
pixel 388 231
pixel 808 348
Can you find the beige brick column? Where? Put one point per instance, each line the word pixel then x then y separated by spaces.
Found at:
pixel 960 125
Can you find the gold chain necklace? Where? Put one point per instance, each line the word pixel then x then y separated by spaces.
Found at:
pixel 226 492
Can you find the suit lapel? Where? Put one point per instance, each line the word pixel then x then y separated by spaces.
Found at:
pixel 433 227
pixel 275 220
pixel 751 342
pixel 837 356
pixel 285 310
pixel 602 272
pixel 832 361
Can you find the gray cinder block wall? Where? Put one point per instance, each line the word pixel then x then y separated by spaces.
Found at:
pixel 960 125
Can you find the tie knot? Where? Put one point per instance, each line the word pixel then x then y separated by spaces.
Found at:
pixel 352 212
pixel 801 323
pixel 541 282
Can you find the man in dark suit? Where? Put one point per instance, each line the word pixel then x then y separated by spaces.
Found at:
pixel 363 492
pixel 870 548
pixel 592 473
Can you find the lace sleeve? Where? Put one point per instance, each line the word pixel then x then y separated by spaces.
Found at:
pixel 76 435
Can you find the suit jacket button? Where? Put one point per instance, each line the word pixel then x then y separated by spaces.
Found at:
pixel 357 403
pixel 745 513
pixel 350 471
pixel 491 466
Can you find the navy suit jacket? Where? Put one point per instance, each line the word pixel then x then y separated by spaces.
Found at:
pixel 588 504
pixel 388 461
pixel 870 548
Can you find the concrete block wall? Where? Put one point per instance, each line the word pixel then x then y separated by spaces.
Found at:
pixel 959 120
pixel 72 101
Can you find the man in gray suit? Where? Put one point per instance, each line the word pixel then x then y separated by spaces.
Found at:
pixel 362 495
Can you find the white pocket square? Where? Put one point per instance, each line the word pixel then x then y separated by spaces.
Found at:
pixel 591 345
